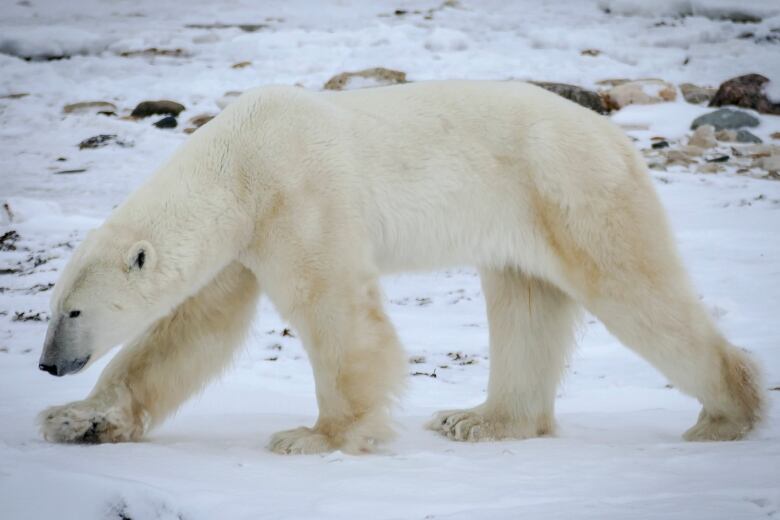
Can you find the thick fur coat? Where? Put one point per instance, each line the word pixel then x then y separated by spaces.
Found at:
pixel 310 197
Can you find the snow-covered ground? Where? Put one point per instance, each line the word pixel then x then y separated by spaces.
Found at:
pixel 618 453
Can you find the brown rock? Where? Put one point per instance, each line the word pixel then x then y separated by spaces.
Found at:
pixel 775 135
pixel 201 120
pixel 163 106
pixel 579 95
pixel 379 75
pixel 747 92
pixel 241 65
pixel 198 121
pixel 696 94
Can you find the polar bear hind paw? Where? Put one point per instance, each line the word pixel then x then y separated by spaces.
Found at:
pixel 476 425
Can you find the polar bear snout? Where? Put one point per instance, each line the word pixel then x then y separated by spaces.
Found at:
pixel 64 368
pixel 58 357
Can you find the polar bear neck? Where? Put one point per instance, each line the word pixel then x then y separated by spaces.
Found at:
pixel 185 207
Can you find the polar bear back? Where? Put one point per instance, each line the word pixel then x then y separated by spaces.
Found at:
pixel 440 173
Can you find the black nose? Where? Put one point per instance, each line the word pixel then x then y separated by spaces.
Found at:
pixel 52 369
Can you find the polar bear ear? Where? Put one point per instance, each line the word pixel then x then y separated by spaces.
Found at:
pixel 141 256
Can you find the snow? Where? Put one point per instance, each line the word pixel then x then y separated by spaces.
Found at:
pixel 618 452
pixel 732 9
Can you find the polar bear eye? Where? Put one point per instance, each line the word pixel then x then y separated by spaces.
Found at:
pixel 74 314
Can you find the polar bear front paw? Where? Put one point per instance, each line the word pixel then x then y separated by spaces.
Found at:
pixel 88 423
pixel 300 441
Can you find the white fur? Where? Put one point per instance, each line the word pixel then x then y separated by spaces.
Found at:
pixel 313 195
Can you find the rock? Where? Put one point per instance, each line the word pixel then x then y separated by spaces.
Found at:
pixel 241 65
pixel 100 141
pixel 154 51
pixel 640 92
pixel 90 107
pixel 590 52
pixel 770 164
pixel 201 120
pixel 743 136
pixel 70 172
pixel 376 77
pixel 166 122
pixel 198 121
pixel 725 118
pixel 678 158
pixel 612 82
pixel 703 137
pixel 660 144
pixel 227 98
pixel 691 150
pixel 579 95
pixel 709 168
pixel 729 136
pixel 775 135
pixel 696 94
pixel 163 107
pixel 747 92
pixel 15 95
pixel 757 150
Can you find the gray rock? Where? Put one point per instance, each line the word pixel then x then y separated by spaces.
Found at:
pixel 743 136
pixel 579 95
pixel 166 122
pixel 100 141
pixel 163 107
pixel 725 118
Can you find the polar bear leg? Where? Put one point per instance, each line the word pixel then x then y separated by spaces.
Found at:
pixel 531 333
pixel 357 361
pixel 156 373
pixel 671 329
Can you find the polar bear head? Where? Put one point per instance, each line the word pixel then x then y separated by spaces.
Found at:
pixel 110 291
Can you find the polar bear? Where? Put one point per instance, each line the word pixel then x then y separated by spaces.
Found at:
pixel 310 196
